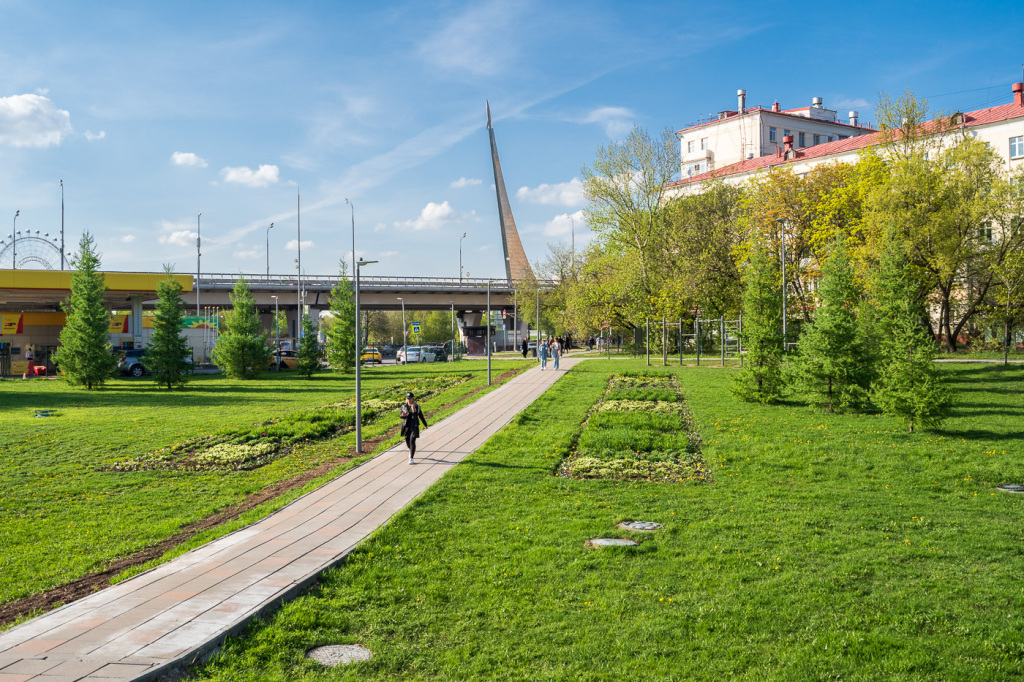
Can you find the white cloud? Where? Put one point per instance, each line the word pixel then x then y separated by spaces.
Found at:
pixel 188 159
pixel 264 176
pixel 178 238
pixel 32 121
pixel 250 254
pixel 292 244
pixel 92 137
pixel 432 217
pixel 482 41
pixel 617 121
pixel 128 238
pixel 560 194
pixel 465 182
pixel 563 225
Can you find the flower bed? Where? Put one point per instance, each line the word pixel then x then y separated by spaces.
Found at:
pixel 260 444
pixel 640 430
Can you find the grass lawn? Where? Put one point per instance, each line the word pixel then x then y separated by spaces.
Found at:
pixel 829 547
pixel 62 517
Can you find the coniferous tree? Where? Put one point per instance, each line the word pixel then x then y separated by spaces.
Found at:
pixel 760 379
pixel 908 385
pixel 831 364
pixel 242 350
pixel 168 351
pixel 341 332
pixel 309 352
pixel 84 355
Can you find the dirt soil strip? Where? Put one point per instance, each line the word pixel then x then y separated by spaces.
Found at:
pixel 91 582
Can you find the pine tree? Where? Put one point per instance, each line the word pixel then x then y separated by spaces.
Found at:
pixel 242 350
pixel 760 379
pixel 168 351
pixel 908 385
pixel 84 356
pixel 341 332
pixel 831 363
pixel 309 352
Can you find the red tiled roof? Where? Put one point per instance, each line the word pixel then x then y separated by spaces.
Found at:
pixel 975 118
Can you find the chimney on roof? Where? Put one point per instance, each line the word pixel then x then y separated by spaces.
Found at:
pixel 816 102
pixel 1018 94
pixel 787 142
pixel 854 116
pixel 741 105
pixel 776 106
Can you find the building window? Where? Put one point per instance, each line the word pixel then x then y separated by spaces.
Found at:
pixel 704 143
pixel 786 133
pixel 1017 147
pixel 691 147
pixel 817 139
pixel 843 137
pixel 803 139
pixel 829 138
pixel 985 233
pixel 771 134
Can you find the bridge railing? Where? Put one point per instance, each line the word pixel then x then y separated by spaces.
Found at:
pixel 328 281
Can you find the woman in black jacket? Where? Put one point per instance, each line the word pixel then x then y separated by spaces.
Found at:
pixel 411 416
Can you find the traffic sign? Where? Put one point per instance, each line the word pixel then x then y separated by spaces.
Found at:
pixel 415 329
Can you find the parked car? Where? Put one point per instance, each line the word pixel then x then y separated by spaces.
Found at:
pixel 371 355
pixel 130 363
pixel 440 353
pixel 416 354
pixel 284 359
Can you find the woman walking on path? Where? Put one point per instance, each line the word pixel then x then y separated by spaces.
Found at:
pixel 556 351
pixel 411 416
pixel 542 351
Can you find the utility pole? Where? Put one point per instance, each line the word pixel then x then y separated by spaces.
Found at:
pixel 199 254
pixel 488 322
pixel 61 224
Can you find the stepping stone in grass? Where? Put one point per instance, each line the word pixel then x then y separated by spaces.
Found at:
pixel 1011 487
pixel 611 542
pixel 641 525
pixel 339 654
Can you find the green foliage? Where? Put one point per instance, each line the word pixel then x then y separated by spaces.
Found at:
pixel 84 356
pixel 309 352
pixel 242 351
pixel 909 385
pixel 662 394
pixel 831 364
pixel 760 379
pixel 167 356
pixel 340 332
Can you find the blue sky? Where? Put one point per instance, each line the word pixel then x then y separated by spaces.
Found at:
pixel 154 112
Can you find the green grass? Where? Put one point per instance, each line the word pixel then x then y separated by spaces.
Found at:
pixel 830 547
pixel 62 516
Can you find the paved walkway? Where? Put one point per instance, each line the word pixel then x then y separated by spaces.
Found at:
pixel 176 612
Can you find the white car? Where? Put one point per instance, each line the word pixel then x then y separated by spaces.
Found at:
pixel 415 354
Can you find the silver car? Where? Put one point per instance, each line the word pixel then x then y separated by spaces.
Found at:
pixel 416 354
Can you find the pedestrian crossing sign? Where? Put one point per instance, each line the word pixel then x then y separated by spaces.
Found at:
pixel 415 329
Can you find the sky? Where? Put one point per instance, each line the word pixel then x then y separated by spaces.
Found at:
pixel 154 113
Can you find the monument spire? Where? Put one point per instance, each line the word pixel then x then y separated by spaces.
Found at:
pixel 517 266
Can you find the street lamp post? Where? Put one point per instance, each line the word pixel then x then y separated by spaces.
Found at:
pixel 782 225
pixel 460 256
pixel 61 224
pixel 488 323
pixel 451 355
pixel 199 234
pixel 277 326
pixel 404 334
pixel 268 251
pixel 14 236
pixel 298 263
pixel 352 206
pixel 359 409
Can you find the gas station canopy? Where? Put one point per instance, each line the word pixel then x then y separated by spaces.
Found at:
pixel 43 290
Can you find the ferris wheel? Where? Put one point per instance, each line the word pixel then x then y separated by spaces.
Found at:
pixel 34 250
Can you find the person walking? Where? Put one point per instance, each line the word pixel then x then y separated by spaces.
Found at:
pixel 525 348
pixel 542 351
pixel 556 351
pixel 411 416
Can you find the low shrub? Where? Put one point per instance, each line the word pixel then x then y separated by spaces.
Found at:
pixel 637 394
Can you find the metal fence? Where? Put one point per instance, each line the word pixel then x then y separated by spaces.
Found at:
pixel 706 340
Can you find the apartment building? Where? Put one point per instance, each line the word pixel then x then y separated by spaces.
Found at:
pixel 748 133
pixel 1002 127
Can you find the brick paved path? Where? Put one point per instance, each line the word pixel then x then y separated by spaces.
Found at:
pixel 170 615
